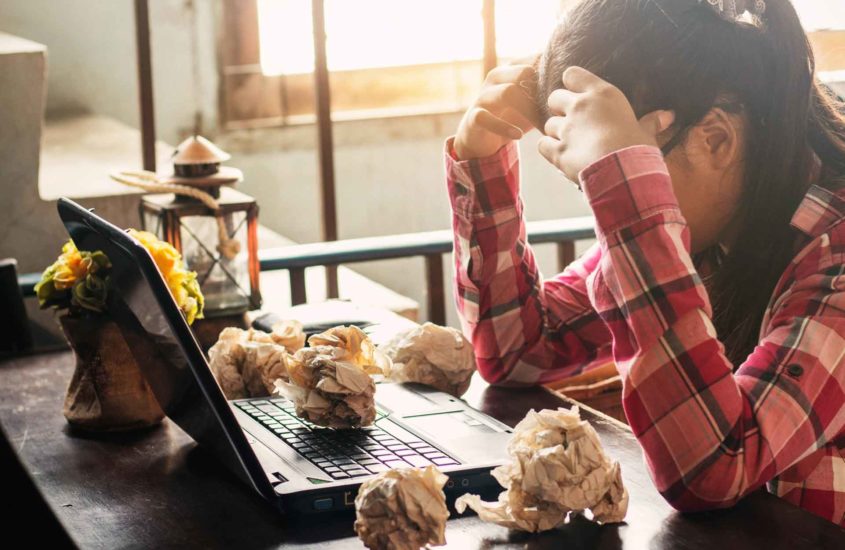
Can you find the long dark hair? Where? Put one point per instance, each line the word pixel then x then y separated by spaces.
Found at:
pixel 680 55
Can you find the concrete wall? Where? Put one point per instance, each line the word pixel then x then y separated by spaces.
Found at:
pixel 30 230
pixel 89 66
pixel 91 57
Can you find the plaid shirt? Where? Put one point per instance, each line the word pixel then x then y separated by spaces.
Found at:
pixel 711 433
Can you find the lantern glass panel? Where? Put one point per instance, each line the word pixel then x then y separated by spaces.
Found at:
pixel 224 281
pixel 152 222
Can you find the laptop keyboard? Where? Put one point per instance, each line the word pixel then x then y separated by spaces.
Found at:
pixel 344 454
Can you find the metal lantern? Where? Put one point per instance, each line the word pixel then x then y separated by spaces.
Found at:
pixel 221 244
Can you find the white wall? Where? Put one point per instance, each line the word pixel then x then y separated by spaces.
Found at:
pixel 91 57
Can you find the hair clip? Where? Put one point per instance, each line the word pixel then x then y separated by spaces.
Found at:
pixel 732 10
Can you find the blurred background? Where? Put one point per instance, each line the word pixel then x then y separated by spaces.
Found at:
pixel 240 72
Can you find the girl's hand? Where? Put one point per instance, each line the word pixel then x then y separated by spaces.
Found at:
pixel 592 119
pixel 503 111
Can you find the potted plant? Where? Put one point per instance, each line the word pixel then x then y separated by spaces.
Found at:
pixel 107 391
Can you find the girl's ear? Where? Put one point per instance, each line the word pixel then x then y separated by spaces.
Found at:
pixel 718 139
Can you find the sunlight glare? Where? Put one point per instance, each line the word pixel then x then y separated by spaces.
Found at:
pixel 384 33
pixel 523 28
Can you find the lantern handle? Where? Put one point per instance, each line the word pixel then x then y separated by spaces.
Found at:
pixel 149 181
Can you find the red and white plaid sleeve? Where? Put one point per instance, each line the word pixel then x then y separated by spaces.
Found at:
pixel 712 435
pixel 524 330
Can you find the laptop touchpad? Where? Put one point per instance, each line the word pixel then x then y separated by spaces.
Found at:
pixel 471 438
pixel 404 402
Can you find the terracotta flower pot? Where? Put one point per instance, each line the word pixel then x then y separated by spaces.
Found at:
pixel 107 391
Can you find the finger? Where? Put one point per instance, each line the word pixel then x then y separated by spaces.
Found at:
pixel 550 148
pixel 554 150
pixel 500 98
pixel 554 127
pixel 560 101
pixel 492 123
pixel 656 122
pixel 511 73
pixel 579 79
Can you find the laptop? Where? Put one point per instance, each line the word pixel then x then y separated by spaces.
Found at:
pixel 294 465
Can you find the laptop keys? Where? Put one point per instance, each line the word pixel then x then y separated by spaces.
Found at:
pixel 345 454
pixel 417 461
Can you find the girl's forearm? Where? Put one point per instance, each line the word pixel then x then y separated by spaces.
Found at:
pixel 524 331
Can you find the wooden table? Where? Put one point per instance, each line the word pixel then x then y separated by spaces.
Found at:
pixel 157 489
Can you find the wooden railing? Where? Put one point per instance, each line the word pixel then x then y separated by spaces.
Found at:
pixel 431 246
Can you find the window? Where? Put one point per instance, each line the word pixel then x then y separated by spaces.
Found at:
pixel 825 23
pixel 385 56
pixel 403 33
pixel 401 56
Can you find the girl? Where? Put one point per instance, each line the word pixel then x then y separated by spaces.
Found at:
pixel 715 166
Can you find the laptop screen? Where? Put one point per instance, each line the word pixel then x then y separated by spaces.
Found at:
pixel 163 345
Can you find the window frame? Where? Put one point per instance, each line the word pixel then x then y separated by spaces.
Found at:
pixel 250 99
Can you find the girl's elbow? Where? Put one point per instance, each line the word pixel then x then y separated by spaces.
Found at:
pixel 500 375
pixel 702 497
pixel 689 504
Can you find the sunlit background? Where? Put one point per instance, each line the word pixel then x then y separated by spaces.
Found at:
pixel 387 33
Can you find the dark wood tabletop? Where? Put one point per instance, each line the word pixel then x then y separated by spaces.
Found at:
pixel 157 489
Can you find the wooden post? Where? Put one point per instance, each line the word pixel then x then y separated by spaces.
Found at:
pixel 488 14
pixel 435 295
pixel 297 286
pixel 565 254
pixel 145 84
pixel 324 132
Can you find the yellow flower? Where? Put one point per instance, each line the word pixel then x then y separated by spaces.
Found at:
pixel 75 280
pixel 80 280
pixel 70 267
pixel 181 282
pixel 166 257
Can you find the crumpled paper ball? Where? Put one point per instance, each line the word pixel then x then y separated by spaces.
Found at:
pixel 327 391
pixel 329 382
pixel 351 344
pixel 246 363
pixel 440 357
pixel 558 466
pixel 290 334
pixel 402 509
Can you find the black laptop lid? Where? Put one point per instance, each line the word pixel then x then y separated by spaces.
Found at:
pixel 163 344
